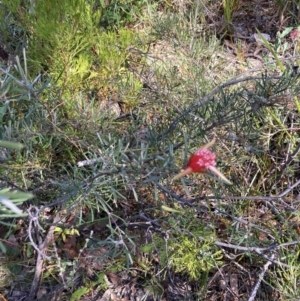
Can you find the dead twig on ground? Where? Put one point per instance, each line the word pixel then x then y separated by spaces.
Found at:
pixel 41 247
pixel 260 278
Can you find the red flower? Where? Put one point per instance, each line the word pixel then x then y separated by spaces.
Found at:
pixel 202 161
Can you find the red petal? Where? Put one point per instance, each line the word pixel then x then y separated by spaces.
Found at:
pixel 201 160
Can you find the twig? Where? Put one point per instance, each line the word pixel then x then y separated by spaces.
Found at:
pixel 207 97
pixel 281 264
pixel 189 203
pixel 261 276
pixel 268 200
pixel 242 248
pixel 274 210
pixel 41 250
pixel 230 197
pixel 253 198
pixel 242 221
pixel 259 251
pixel 143 216
pixel 285 192
pixel 174 195
pixel 288 160
pixel 250 198
pixel 34 224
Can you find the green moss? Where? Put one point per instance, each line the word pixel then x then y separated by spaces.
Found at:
pixel 194 256
pixel 192 252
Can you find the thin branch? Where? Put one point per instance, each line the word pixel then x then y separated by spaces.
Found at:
pixel 245 222
pixel 242 248
pixel 230 197
pixel 217 210
pixel 274 210
pixel 260 251
pixel 41 250
pixel 285 192
pixel 251 198
pixel 207 97
pixel 34 225
pixel 288 160
pixel 261 276
pixel 174 195
pixel 281 264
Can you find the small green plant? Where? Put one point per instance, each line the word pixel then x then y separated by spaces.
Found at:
pixel 280 47
pixel 191 251
pixel 195 257
pixel 286 280
pixel 229 7
pixel 118 13
pixel 88 287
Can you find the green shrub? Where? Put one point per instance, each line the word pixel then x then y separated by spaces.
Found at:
pixel 65 42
